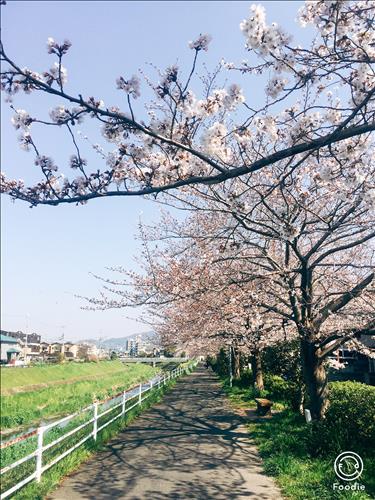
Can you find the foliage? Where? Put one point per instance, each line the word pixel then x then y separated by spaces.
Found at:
pixel 246 380
pixel 287 391
pixel 283 359
pixel 169 353
pixel 317 99
pixel 219 363
pixel 349 423
pixel 286 444
pixel 60 358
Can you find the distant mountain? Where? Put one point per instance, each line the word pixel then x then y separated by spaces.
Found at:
pixel 120 342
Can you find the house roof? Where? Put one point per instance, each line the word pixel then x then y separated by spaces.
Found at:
pixel 7 340
pixel 13 349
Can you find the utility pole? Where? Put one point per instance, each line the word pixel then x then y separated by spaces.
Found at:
pixel 230 365
pixel 62 338
pixel 27 327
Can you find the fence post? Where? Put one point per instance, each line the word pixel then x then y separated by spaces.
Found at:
pixel 95 430
pixel 39 456
pixel 159 382
pixel 123 403
pixel 140 394
pixel 151 384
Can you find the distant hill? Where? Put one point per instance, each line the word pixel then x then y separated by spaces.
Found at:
pixel 119 342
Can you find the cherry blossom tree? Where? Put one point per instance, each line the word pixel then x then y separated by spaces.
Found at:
pixel 196 300
pixel 306 237
pixel 303 239
pixel 190 140
pixel 267 258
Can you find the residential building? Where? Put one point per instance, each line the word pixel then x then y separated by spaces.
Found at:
pixel 10 349
pixel 71 350
pixel 56 348
pixel 44 348
pixel 29 342
pixel 29 338
pixel 357 366
pixel 88 351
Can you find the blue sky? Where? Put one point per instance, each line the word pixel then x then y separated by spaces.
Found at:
pixel 48 252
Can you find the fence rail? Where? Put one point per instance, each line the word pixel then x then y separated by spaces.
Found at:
pixel 134 359
pixel 135 395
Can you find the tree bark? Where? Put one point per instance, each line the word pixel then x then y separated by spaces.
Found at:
pixel 315 378
pixel 256 365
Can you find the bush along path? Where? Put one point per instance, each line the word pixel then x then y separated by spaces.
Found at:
pixel 301 456
pixel 190 445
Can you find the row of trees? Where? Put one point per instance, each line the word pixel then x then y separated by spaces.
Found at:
pixel 293 266
pixel 280 195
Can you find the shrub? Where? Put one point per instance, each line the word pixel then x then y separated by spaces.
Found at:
pixel 246 379
pixel 283 359
pixel 219 363
pixel 287 391
pixel 60 358
pixel 349 423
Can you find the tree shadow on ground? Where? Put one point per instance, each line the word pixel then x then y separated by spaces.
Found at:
pixel 189 446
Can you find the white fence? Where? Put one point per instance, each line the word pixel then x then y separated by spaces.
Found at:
pixel 120 401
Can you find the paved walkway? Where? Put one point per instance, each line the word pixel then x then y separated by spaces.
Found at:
pixel 189 446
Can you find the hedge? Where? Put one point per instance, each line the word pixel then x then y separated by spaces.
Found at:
pixel 349 423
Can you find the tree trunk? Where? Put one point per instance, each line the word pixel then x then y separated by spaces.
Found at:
pixel 236 364
pixel 301 399
pixel 315 378
pixel 256 364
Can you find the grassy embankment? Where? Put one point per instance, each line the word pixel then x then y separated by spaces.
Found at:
pixel 30 395
pixel 284 442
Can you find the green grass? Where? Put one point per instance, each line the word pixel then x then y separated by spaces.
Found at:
pixel 284 444
pixel 23 377
pixel 244 396
pixel 82 384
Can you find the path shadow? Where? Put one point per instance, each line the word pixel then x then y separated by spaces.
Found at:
pixel 189 446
